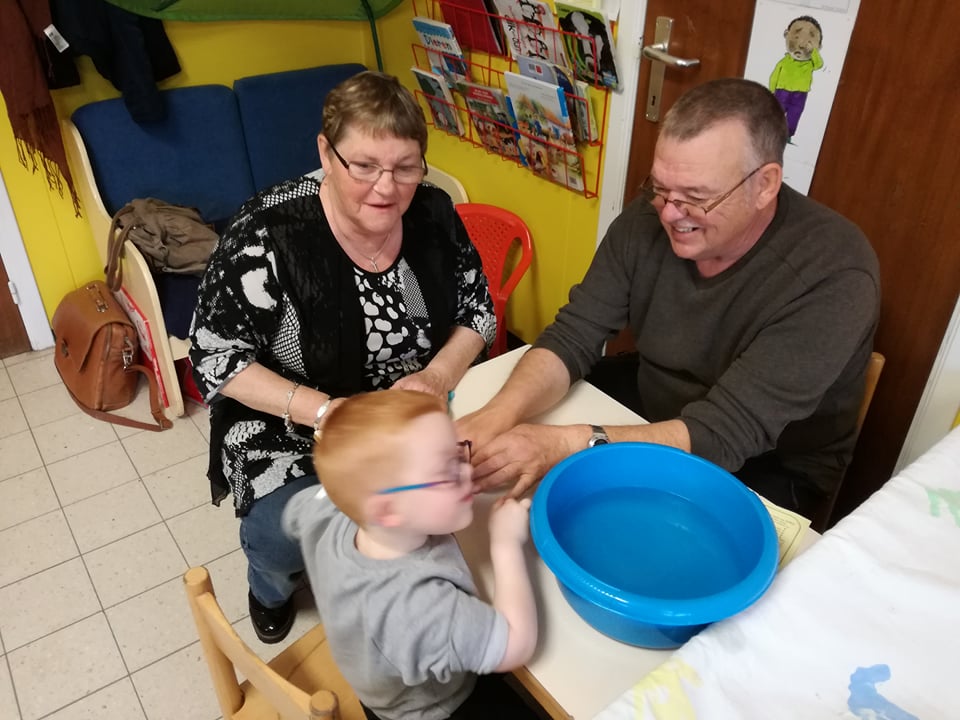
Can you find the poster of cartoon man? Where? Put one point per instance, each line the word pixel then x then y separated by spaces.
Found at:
pixel 792 77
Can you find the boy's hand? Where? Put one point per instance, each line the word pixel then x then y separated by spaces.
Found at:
pixel 510 521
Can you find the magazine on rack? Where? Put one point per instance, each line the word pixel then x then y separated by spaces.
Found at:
pixel 491 118
pixel 589 44
pixel 578 101
pixel 584 111
pixel 530 30
pixel 474 24
pixel 443 50
pixel 540 112
pixel 442 107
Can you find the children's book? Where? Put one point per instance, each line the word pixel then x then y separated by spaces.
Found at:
pixel 530 30
pixel 577 100
pixel 584 111
pixel 443 50
pixel 474 25
pixel 491 118
pixel 546 135
pixel 442 107
pixel 589 44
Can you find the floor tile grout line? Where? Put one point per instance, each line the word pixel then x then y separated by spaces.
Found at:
pixel 13 686
pixel 72 557
pixel 83 555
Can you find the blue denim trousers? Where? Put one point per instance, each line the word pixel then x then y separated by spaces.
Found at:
pixel 274 561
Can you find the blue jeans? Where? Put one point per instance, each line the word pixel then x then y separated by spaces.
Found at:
pixel 274 561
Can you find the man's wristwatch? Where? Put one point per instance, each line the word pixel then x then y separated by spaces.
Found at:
pixel 599 436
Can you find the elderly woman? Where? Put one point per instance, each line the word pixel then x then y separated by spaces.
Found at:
pixel 317 290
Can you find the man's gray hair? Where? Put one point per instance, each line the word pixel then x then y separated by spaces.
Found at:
pixel 751 103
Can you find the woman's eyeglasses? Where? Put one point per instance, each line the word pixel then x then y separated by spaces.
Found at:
pixel 458 472
pixel 371 172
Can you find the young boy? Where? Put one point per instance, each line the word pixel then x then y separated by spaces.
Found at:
pixel 395 595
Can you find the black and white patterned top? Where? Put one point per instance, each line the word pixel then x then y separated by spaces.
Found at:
pixel 280 291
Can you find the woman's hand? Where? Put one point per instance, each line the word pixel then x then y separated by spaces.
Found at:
pixel 521 456
pixel 427 380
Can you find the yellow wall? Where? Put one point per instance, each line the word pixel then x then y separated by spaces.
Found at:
pixel 563 224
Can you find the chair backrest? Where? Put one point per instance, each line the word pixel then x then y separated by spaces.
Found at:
pixel 301 683
pixel 194 157
pixel 874 368
pixel 282 114
pixel 494 231
pixel 448 183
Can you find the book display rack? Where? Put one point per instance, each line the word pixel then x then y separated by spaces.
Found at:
pixel 522 81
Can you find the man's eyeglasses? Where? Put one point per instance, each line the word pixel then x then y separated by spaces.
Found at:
pixel 458 472
pixel 371 172
pixel 658 197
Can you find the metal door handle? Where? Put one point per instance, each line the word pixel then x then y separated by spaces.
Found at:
pixel 660 58
pixel 658 52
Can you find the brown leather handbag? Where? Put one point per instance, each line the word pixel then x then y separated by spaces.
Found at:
pixel 96 355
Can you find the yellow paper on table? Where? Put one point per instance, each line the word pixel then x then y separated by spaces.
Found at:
pixel 790 527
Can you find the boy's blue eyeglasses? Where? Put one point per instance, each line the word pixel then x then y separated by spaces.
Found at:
pixel 458 472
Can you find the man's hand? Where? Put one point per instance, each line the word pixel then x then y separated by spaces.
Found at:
pixel 521 456
pixel 482 426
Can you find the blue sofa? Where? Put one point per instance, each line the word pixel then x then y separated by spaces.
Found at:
pixel 216 148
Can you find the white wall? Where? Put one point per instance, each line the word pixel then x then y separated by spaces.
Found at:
pixel 21 274
pixel 940 400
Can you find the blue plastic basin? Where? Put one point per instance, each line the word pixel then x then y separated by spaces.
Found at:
pixel 651 544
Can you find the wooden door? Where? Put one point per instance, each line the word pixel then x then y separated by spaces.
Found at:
pixel 717 33
pixel 890 163
pixel 695 34
pixel 13 335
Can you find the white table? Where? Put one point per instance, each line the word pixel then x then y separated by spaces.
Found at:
pixel 576 671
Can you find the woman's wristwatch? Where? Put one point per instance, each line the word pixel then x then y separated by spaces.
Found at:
pixel 599 436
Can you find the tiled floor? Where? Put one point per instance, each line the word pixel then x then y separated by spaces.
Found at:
pixel 98 522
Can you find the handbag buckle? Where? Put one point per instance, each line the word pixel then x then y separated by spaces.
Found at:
pixel 127 353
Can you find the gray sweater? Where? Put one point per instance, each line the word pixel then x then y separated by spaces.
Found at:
pixel 766 357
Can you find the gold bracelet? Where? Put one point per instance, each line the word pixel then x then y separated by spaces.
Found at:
pixel 287 423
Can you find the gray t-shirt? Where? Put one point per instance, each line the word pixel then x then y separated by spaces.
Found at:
pixel 409 634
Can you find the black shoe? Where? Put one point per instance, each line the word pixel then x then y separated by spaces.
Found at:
pixel 271 624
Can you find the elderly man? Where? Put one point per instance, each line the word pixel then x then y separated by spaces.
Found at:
pixel 753 309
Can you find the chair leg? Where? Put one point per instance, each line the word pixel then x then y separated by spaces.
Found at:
pixel 324 706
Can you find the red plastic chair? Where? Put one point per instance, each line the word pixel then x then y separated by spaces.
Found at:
pixel 493 231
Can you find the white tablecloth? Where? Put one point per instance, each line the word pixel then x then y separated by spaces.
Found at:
pixel 865 624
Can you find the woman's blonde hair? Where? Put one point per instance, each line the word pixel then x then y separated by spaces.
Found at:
pixel 360 445
pixel 375 103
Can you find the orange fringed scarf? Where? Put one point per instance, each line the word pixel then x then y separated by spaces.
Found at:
pixel 23 85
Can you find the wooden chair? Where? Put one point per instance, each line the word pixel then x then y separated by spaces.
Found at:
pixel 494 231
pixel 301 683
pixel 874 368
